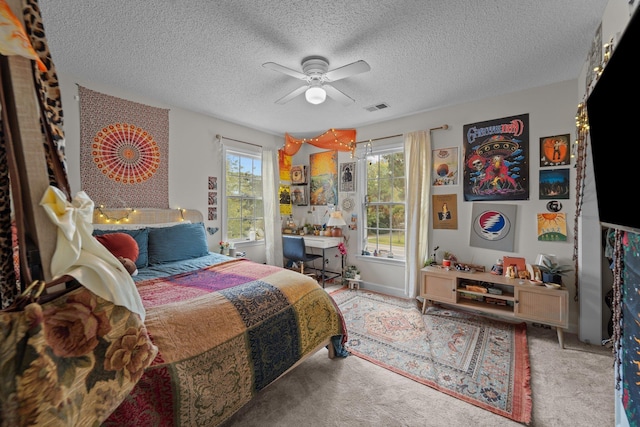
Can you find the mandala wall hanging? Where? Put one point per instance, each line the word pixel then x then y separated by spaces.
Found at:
pixel 124 151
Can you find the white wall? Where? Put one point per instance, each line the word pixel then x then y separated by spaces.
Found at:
pixel 193 152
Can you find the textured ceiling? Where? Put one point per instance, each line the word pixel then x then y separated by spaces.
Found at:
pixel 207 56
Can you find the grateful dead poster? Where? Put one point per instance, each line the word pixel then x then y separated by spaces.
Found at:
pixel 496 159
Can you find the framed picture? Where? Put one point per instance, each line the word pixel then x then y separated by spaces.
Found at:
pixel 445 166
pixel 555 150
pixel 445 211
pixel 299 195
pixel 299 174
pixel 554 184
pixel 348 176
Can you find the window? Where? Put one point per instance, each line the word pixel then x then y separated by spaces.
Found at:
pixel 384 233
pixel 244 211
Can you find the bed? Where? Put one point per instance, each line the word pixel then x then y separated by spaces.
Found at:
pixel 225 327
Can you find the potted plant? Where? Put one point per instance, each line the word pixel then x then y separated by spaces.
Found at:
pixel 552 272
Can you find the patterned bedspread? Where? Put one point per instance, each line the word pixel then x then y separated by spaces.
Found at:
pixel 224 332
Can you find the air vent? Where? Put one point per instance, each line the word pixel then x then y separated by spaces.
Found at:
pixel 377 107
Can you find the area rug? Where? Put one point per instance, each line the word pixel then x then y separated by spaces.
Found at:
pixel 479 360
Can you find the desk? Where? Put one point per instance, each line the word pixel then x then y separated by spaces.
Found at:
pixel 324 243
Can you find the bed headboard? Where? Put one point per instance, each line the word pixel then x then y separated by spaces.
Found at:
pixel 144 215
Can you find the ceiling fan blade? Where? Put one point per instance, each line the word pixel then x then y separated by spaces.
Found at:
pixel 277 67
pixel 292 95
pixel 348 71
pixel 338 95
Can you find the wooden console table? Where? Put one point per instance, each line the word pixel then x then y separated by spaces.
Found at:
pixel 519 299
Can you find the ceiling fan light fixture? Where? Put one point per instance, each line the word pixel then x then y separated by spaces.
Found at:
pixel 315 95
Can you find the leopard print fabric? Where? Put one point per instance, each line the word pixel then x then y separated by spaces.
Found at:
pixel 48 86
pixel 9 286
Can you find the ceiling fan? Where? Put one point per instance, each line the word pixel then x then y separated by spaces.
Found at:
pixel 314 72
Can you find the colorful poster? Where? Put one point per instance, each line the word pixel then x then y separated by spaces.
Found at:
pixel 284 165
pixel 445 211
pixel 284 195
pixel 496 159
pixel 555 150
pixel 324 178
pixel 552 227
pixel 445 166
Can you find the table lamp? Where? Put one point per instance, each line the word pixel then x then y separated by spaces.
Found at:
pixel 336 222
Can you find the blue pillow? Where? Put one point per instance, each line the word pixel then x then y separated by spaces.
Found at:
pixel 177 243
pixel 141 237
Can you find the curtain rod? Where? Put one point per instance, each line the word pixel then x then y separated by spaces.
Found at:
pixel 220 138
pixel 444 127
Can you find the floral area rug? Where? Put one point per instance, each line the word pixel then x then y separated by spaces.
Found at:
pixel 477 359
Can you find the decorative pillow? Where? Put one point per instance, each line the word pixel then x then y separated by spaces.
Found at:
pixel 142 239
pixel 120 245
pixel 177 243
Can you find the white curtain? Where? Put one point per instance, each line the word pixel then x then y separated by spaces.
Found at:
pixel 417 151
pixel 273 230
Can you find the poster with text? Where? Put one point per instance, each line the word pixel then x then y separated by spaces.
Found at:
pixel 552 227
pixel 496 159
pixel 445 166
pixel 444 211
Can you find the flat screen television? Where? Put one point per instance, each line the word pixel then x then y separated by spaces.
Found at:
pixel 613 109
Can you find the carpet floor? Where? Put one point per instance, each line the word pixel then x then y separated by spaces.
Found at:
pixel 479 360
pixel 571 387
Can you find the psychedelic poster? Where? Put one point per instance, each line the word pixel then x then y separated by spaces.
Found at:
pixel 555 150
pixel 552 227
pixel 496 159
pixel 493 226
pixel 324 178
pixel 284 164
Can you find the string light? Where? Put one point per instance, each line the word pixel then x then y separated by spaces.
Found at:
pixel 117 220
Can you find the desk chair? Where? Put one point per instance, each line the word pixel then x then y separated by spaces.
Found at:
pixel 294 249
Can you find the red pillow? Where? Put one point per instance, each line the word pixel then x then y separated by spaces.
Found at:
pixel 120 245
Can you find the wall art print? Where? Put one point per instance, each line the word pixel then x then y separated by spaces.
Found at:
pixel 552 227
pixel 299 174
pixel 555 150
pixel 299 195
pixel 445 211
pixel 284 166
pixel 496 159
pixel 284 196
pixel 124 156
pixel 348 176
pixel 324 178
pixel 493 226
pixel 554 183
pixel 445 166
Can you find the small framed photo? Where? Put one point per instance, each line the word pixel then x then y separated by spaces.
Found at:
pixel 555 150
pixel 299 174
pixel 554 184
pixel 299 195
pixel 348 176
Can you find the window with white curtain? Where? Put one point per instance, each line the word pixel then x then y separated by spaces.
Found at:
pixel 384 210
pixel 243 217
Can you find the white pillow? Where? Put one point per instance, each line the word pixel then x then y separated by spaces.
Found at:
pixel 122 226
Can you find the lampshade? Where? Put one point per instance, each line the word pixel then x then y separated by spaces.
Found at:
pixel 336 220
pixel 315 95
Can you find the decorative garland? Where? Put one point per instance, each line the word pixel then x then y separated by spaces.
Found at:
pixel 579 152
